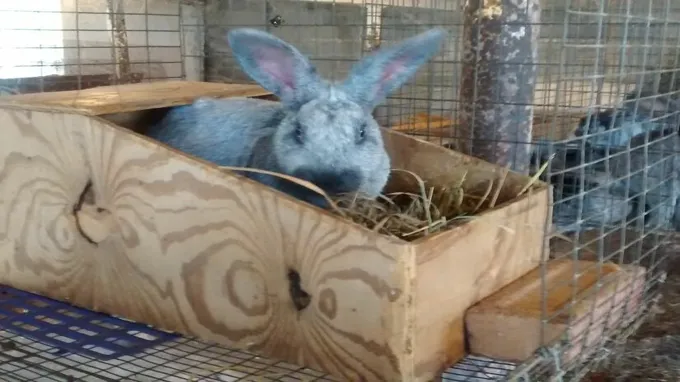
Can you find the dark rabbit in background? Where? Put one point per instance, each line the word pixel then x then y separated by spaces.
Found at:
pixel 657 96
pixel 642 179
pixel 652 106
pixel 321 132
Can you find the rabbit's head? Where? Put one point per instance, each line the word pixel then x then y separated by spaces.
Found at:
pixel 327 135
pixel 657 97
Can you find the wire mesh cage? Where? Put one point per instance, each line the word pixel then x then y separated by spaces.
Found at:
pixel 45 340
pixel 583 94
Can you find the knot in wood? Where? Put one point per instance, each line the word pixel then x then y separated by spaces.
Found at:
pixel 300 298
pixel 94 223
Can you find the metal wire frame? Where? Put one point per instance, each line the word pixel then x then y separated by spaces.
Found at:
pixel 159 35
pixel 630 44
pixel 44 339
pixel 181 360
pixel 51 45
pixel 177 361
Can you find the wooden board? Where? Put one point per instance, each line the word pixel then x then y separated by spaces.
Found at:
pixel 437 165
pixel 424 121
pixel 437 129
pixel 55 83
pixel 456 269
pixel 132 97
pixel 507 325
pixel 178 244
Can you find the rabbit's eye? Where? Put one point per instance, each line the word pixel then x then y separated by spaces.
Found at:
pixel 362 133
pixel 299 134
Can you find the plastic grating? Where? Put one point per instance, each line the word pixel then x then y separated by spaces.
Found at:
pixel 69 328
pixel 27 357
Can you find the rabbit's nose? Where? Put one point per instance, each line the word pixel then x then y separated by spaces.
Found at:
pixel 332 182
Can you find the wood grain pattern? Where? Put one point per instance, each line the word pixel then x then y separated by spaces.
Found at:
pixel 64 82
pixel 112 221
pixel 131 97
pixel 458 268
pixel 440 130
pixel 424 121
pixel 175 243
pixel 507 324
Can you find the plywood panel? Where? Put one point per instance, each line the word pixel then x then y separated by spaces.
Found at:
pixel 132 97
pixel 456 269
pixel 110 221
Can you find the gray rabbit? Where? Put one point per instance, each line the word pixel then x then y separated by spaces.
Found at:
pixel 632 182
pixel 584 197
pixel 657 97
pixel 321 132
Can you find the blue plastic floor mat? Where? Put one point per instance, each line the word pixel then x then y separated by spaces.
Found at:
pixel 73 329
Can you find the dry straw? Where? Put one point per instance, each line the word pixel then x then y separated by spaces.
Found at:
pixel 409 215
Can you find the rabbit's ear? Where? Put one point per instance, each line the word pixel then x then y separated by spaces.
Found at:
pixel 276 65
pixel 374 77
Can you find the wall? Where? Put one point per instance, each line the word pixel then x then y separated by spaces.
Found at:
pixel 330 34
pixel 595 46
pixel 435 87
pixel 567 69
pixel 30 41
pixel 154 38
pixel 337 33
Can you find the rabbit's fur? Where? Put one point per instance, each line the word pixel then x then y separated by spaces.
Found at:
pixel 615 127
pixel 602 204
pixel 640 138
pixel 321 132
pixel 584 197
pixel 640 180
pixel 657 97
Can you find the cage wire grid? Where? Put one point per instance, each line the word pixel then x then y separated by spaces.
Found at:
pixel 611 204
pixel 46 340
pixel 183 360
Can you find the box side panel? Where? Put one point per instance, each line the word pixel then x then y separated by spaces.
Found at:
pixel 440 166
pixel 113 222
pixel 459 268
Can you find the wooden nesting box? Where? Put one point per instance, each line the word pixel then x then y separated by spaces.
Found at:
pixel 99 215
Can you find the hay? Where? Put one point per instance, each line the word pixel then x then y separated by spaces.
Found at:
pixel 408 215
